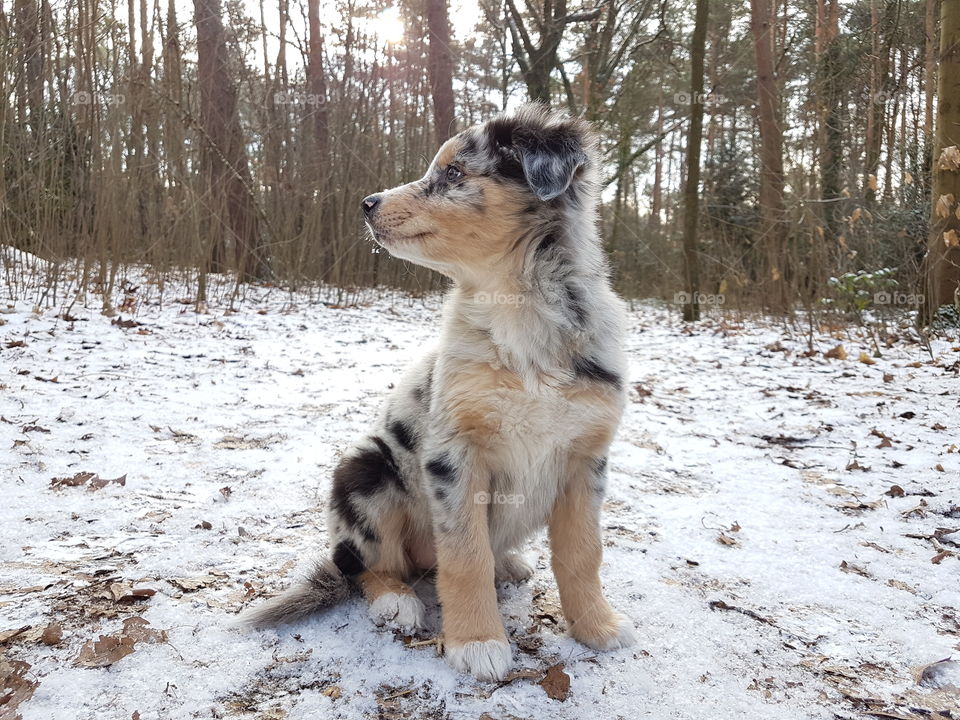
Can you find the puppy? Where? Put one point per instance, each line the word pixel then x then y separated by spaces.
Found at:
pixel 505 427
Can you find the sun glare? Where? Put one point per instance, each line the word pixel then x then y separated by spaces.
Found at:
pixel 388 25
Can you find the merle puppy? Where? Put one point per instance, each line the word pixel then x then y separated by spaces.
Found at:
pixel 504 427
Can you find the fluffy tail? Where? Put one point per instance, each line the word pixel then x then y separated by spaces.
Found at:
pixel 323 588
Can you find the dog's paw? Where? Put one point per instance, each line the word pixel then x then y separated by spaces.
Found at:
pixel 612 633
pixel 484 659
pixel 402 611
pixel 513 568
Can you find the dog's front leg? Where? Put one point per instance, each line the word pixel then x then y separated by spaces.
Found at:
pixel 575 543
pixel 473 635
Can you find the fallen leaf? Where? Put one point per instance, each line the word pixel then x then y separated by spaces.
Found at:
pixel 853 569
pixel 105 651
pixel 194 583
pixel 52 634
pixel 895 491
pixel 866 359
pixel 556 683
pixel 15 687
pixel 837 353
pixel 333 692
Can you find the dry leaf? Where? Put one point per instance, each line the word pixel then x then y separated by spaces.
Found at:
pixel 837 353
pixel 15 688
pixel 855 215
pixel 136 629
pixel 895 491
pixel 872 182
pixel 853 569
pixel 556 683
pixel 52 634
pixel 193 583
pixel 951 239
pixel 907 178
pixel 105 651
pixel 333 692
pixel 725 539
pixel 866 359
pixel 887 378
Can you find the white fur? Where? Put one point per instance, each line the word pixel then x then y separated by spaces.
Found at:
pixel 626 636
pixel 485 660
pixel 512 567
pixel 403 611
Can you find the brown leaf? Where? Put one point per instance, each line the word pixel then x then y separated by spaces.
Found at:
pixel 895 491
pixel 854 569
pixel 193 583
pixel 15 687
pixel 837 353
pixel 725 539
pixel 333 692
pixel 91 480
pixel 8 635
pixel 939 557
pixel 52 634
pixel 943 205
pixel 866 359
pixel 136 629
pixel 105 651
pixel 885 440
pixel 887 378
pixel 556 683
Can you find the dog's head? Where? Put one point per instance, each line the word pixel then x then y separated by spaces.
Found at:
pixel 487 193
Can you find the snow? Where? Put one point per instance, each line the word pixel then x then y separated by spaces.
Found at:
pixel 764 577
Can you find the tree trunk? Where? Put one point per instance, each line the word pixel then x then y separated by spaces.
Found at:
pixel 440 68
pixel 942 262
pixel 691 191
pixel 772 227
pixel 830 111
pixel 235 217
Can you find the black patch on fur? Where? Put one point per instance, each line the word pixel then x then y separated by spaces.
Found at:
pixel 600 466
pixel 422 392
pixel 545 246
pixel 589 369
pixel 403 435
pixel 575 304
pixel 347 558
pixel 443 469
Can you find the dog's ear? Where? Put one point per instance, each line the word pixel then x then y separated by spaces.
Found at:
pixel 550 157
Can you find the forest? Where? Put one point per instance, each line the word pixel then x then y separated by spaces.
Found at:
pixel 768 155
pixel 733 495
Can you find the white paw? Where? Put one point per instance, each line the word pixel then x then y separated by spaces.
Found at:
pixel 513 568
pixel 623 635
pixel 403 611
pixel 484 659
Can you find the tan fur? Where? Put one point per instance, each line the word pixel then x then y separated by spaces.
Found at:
pixel 465 579
pixel 577 554
pixel 471 397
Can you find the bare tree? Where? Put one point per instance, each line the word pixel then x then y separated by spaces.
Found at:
pixel 233 211
pixel 440 68
pixel 942 262
pixel 772 228
pixel 537 60
pixel 691 189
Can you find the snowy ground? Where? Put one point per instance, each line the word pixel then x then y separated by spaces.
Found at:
pixel 753 530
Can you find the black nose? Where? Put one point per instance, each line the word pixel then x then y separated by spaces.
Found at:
pixel 370 204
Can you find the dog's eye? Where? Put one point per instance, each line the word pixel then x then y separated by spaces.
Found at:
pixel 453 173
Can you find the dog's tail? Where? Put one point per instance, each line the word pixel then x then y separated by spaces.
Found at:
pixel 324 587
